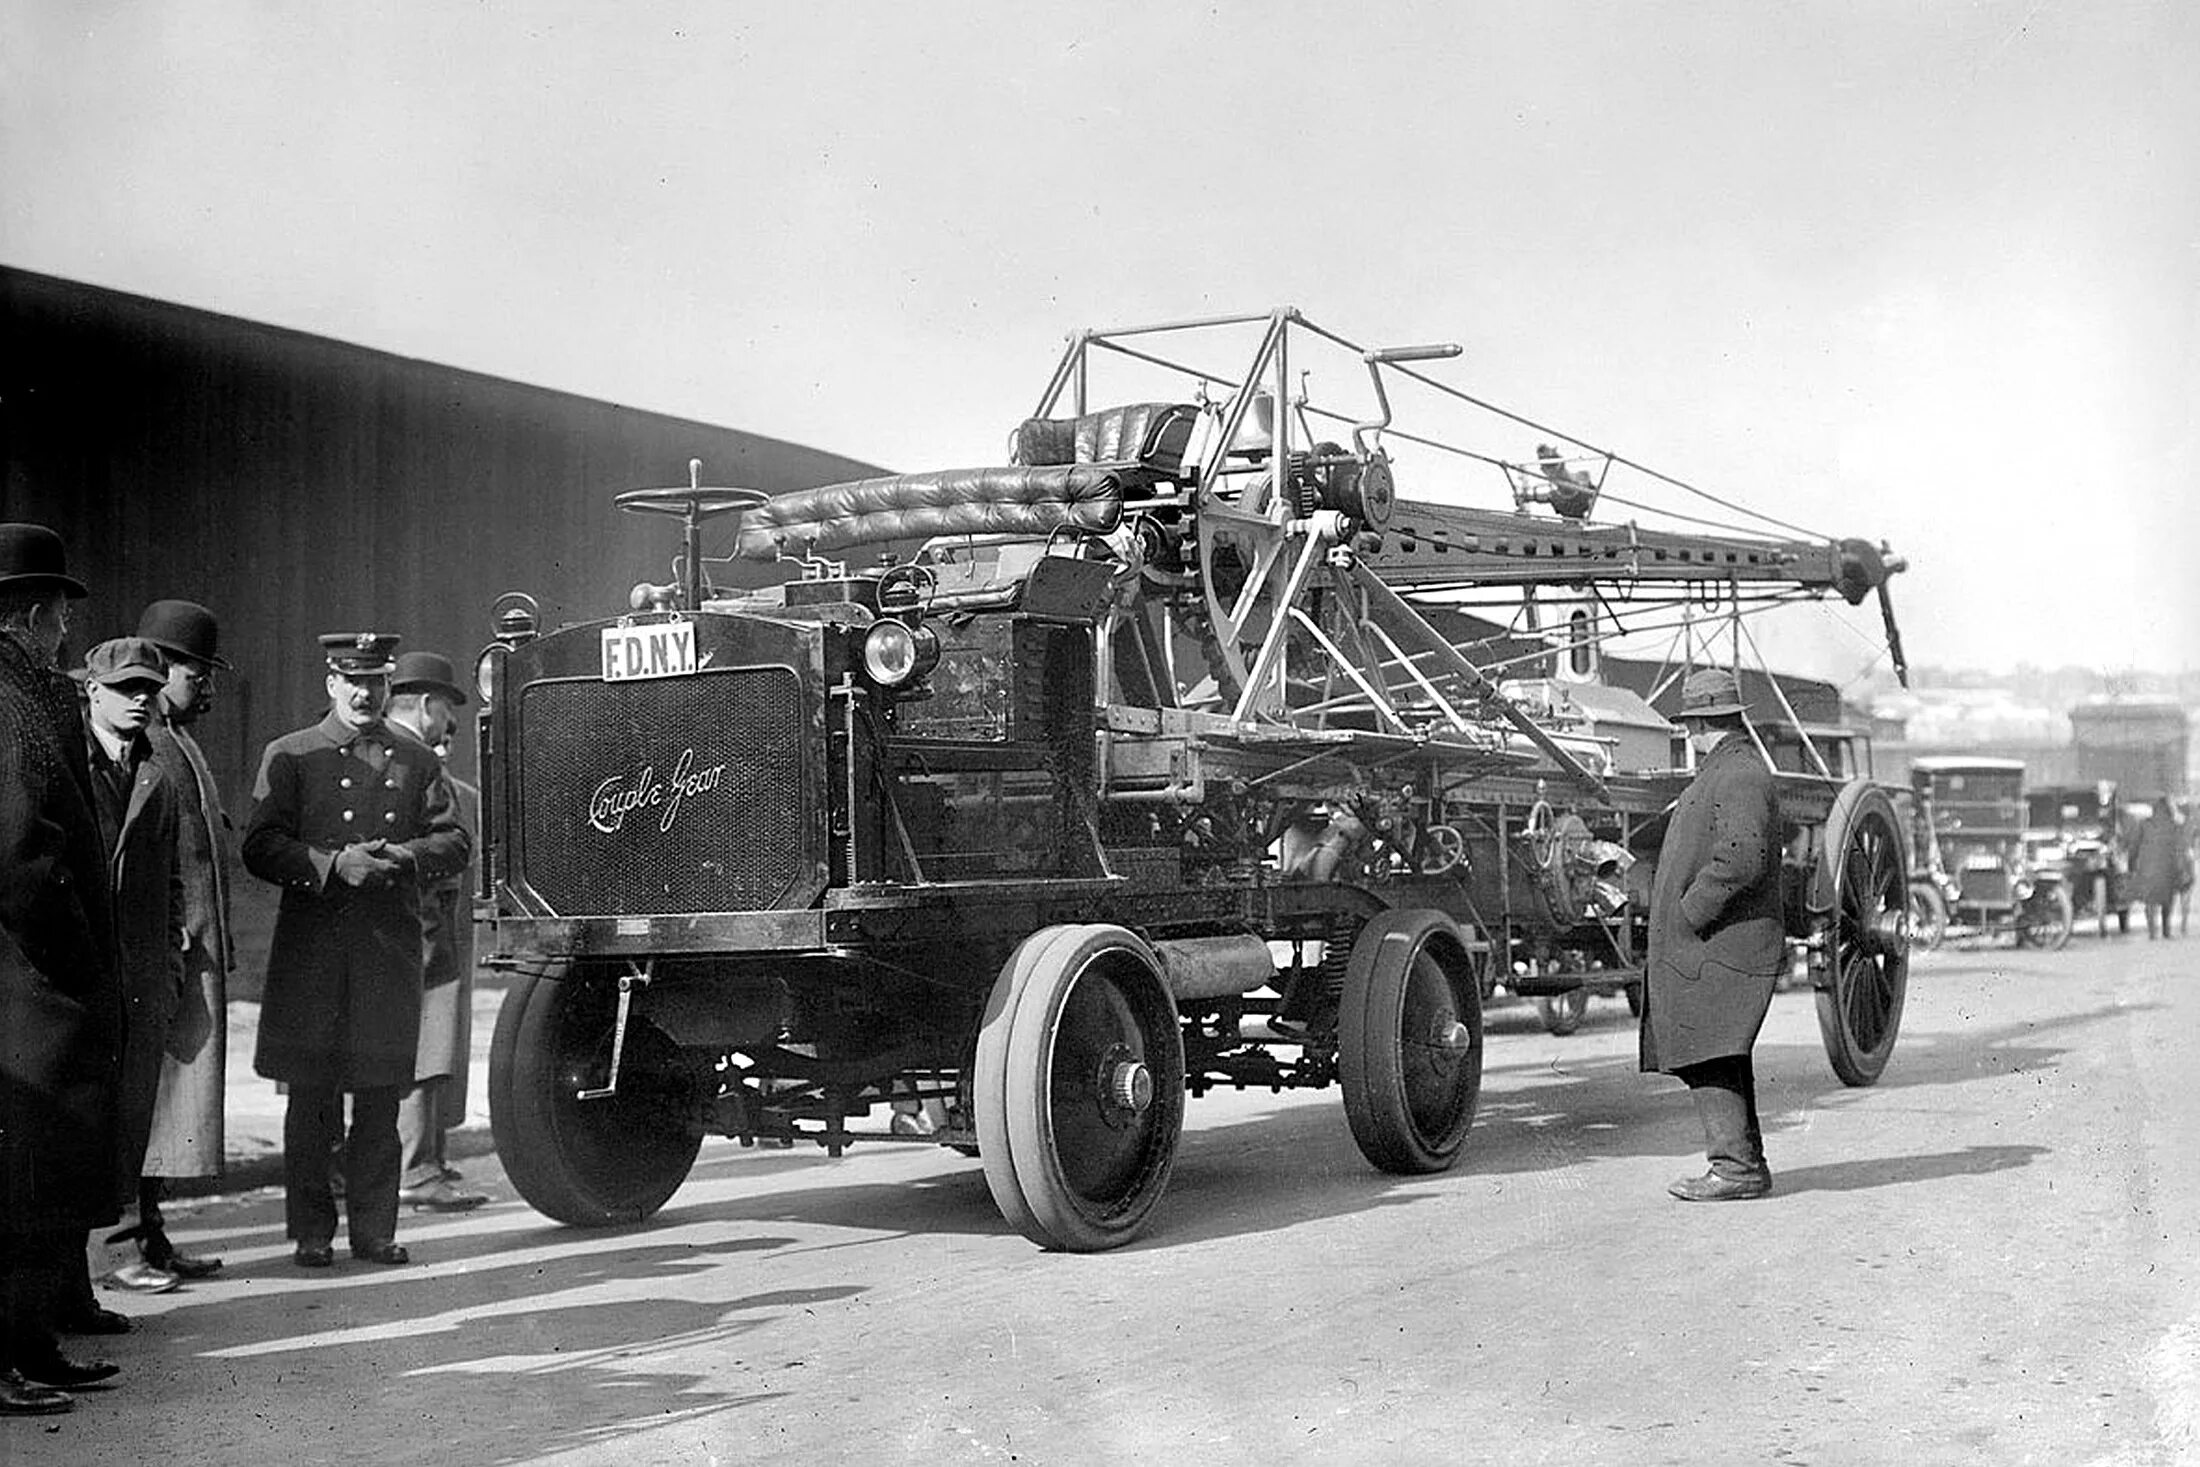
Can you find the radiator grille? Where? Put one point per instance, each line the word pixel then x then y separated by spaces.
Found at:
pixel 671 795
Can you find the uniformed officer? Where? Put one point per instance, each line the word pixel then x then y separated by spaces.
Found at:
pixel 349 818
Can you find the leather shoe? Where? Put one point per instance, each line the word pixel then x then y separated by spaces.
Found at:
pixel 381 1253
pixel 313 1255
pixel 140 1278
pixel 58 1369
pixel 161 1254
pixel 1711 1187
pixel 19 1397
pixel 93 1321
pixel 441 1195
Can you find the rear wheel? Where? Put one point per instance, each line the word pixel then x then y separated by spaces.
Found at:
pixel 1079 1087
pixel 1409 1041
pixel 1860 896
pixel 589 1163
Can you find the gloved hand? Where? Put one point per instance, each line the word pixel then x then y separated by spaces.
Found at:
pixel 360 866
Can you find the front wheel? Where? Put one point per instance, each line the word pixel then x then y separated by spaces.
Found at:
pixel 1928 917
pixel 598 1162
pixel 1080 1087
pixel 1409 1041
pixel 1562 1013
pixel 2047 920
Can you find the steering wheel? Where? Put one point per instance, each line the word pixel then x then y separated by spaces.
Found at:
pixel 690 502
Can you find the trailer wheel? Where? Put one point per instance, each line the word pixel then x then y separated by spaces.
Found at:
pixel 1928 917
pixel 1562 1013
pixel 1409 1041
pixel 2047 920
pixel 1861 895
pixel 587 1163
pixel 1079 1087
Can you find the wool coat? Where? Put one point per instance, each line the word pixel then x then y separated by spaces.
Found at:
pixel 141 846
pixel 61 1006
pixel 342 1000
pixel 187 1132
pixel 2158 859
pixel 1717 941
pixel 447 971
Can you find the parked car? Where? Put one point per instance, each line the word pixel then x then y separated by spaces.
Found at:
pixel 2075 829
pixel 1977 819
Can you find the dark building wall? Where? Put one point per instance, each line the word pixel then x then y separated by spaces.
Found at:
pixel 298 485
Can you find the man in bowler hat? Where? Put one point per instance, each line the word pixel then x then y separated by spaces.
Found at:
pixel 187 1133
pixel 424 697
pixel 60 982
pixel 1717 941
pixel 349 818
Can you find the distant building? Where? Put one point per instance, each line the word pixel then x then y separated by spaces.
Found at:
pixel 2141 743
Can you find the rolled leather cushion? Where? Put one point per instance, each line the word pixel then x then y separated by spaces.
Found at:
pixel 1024 500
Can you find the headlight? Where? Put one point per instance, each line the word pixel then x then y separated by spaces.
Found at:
pixel 2022 889
pixel 895 652
pixel 488 672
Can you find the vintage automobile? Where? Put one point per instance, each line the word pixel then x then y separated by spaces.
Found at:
pixel 2074 830
pixel 1933 890
pixel 1176 753
pixel 1975 810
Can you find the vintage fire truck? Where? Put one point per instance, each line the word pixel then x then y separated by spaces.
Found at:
pixel 1177 752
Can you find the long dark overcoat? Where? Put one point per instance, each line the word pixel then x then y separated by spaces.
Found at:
pixel 447 972
pixel 60 977
pixel 187 1116
pixel 342 1001
pixel 1716 938
pixel 2157 859
pixel 148 927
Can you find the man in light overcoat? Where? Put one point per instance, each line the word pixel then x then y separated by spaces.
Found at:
pixel 188 1134
pixel 424 694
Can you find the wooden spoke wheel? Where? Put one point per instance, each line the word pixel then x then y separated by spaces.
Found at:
pixel 1079 1087
pixel 1562 1013
pixel 2046 919
pixel 1861 897
pixel 1928 917
pixel 1409 1041
pixel 588 1163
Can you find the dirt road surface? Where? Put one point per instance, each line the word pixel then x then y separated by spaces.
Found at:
pixel 1991 1256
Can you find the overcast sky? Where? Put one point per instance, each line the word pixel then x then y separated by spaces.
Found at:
pixel 1927 273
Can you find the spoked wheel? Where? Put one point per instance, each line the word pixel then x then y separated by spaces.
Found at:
pixel 1861 894
pixel 1079 1087
pixel 1409 1041
pixel 596 1162
pixel 2047 919
pixel 1928 917
pixel 1563 1013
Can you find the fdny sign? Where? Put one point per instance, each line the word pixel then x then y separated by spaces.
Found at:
pixel 661 649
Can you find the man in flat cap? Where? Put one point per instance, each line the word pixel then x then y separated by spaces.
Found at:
pixel 424 699
pixel 136 806
pixel 60 981
pixel 349 818
pixel 1716 938
pixel 187 1134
